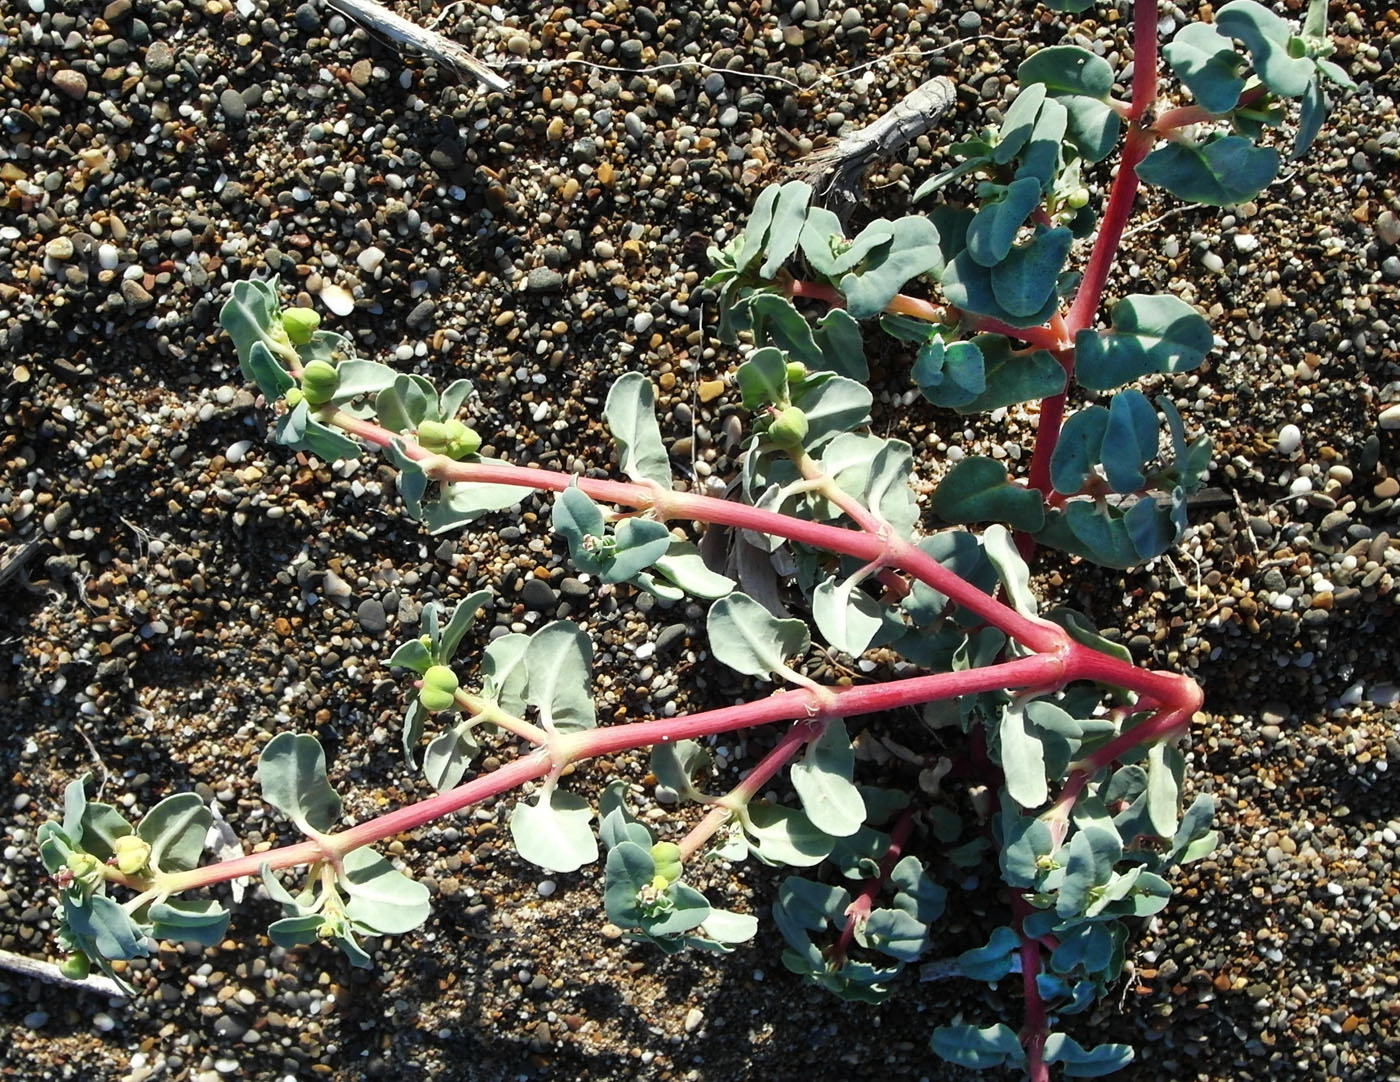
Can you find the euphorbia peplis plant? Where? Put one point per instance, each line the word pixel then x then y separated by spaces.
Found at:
pixel 1073 744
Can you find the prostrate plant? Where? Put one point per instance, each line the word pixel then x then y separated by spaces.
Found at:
pixel 1072 744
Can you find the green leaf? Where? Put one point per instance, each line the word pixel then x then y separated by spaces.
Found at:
pixel 203 922
pixel 822 779
pixel 726 927
pixel 1013 375
pixel 968 1046
pixel 554 833
pixel 915 892
pixel 785 226
pixel 503 674
pixel 751 640
pixel 915 249
pixel 894 932
pixel 1068 68
pixel 1217 173
pixel 292 773
pixel 1022 757
pixel 995 226
pixel 832 407
pixel 951 376
pixel 994 960
pixel 1093 851
pixel 175 829
pixel 978 489
pixel 756 230
pixel 106 925
pixel 763 379
pixel 559 663
pixel 841 345
pixel 250 316
pixel 272 379
pixel 362 377
pixel 1130 440
pixel 300 931
pixel 411 655
pixel 101 826
pixel 968 285
pixel 1162 791
pixel 1268 39
pixel 1027 842
pixel 629 871
pixel 447 756
pixel 461 621
pixel 960 552
pixel 1150 334
pixel 640 543
pixel 1078 450
pixel 1024 282
pixel 1093 127
pixel 1041 156
pixel 781 835
pixel 406 404
pixel 1081 1063
pixel 1018 123
pixel 828 253
pixel 1310 118
pixel 683 565
pixel 460 502
pixel 677 763
pixel 630 413
pixel 849 618
pixel 1209 66
pixel 381 899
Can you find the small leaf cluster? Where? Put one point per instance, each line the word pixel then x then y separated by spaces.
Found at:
pixel 95 845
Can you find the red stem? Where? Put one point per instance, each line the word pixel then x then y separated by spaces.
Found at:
pixel 1036 1026
pixel 859 909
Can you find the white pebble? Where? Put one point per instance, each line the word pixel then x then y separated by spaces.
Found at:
pixel 1282 602
pixel 104 1022
pixel 1289 439
pixel 1390 417
pixel 107 256
pixel 1300 485
pixel 237 450
pixel 641 322
pixel 1246 242
pixel 545 888
pixel 370 259
pixel 1212 263
pixel 338 300
pixel 645 650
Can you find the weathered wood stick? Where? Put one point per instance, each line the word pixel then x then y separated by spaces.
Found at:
pixel 379 19
pixel 48 972
pixel 835 171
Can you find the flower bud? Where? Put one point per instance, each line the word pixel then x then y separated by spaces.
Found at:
pixel 293 397
pixel 300 324
pixel 796 371
pixel 439 689
pixel 667 856
pixel 132 852
pixel 319 380
pixel 433 436
pixel 86 869
pixel 789 429
pixel 451 438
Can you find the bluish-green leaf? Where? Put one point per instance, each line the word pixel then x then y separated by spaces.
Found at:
pixel 105 924
pixel 822 779
pixel 272 379
pixel 751 640
pixel 968 285
pixel 447 756
pixel 950 376
pixel 894 932
pixel 292 773
pixel 995 226
pixel 781 835
pixel 554 832
pixel 1130 440
pixel 362 377
pixel 630 412
pixel 1041 155
pixel 978 489
pixel 682 564
pixel 203 922
pixel 300 931
pixel 756 229
pixel 1310 118
pixel 785 226
pixel 1078 450
pixel 1269 40
pixel 827 250
pixel 460 502
pixel 915 249
pixel 102 825
pixel 1018 123
pixel 628 871
pixel 1217 173
pixel 677 763
pixel 763 379
pixel 411 655
pixel 1013 375
pixel 981 1049
pixel 175 829
pixel 503 673
pixel 640 543
pixel 1022 758
pixel 559 684
pixel 915 892
pixel 381 899
pixel 994 960
pixel 1078 1062
pixel 1027 842
pixel 1024 282
pixel 1207 63
pixel 1093 127
pixel 1149 334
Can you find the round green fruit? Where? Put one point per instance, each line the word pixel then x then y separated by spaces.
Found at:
pixel 1077 199
pixel 789 429
pixel 300 324
pixel 796 371
pixel 76 966
pixel 319 379
pixel 439 689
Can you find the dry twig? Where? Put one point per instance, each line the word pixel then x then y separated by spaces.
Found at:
pixel 380 20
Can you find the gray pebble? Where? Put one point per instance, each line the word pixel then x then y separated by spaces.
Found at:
pixel 544 280
pixel 537 595
pixel 372 616
pixel 233 105
pixel 160 58
pixel 421 318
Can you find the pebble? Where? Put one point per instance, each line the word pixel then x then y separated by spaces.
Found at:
pixel 59 249
pixel 1290 438
pixel 1390 417
pixel 544 280
pixel 337 299
pixel 372 616
pixel 537 595
pixel 235 109
pixel 160 58
pixel 370 258
pixel 71 83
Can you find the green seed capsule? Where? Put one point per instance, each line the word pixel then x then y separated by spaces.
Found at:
pixel 789 429
pixel 796 371
pixel 76 966
pixel 465 441
pixel 667 856
pixel 319 379
pixel 131 852
pixel 433 436
pixel 1078 198
pixel 293 397
pixel 300 324
pixel 439 689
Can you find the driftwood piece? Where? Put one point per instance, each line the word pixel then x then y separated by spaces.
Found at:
pixel 835 171
pixel 377 18
pixel 49 973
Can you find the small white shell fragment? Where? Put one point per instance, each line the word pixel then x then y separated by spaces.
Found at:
pixel 337 299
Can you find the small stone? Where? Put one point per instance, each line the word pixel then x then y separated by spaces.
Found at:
pixel 135 294
pixel 360 73
pixel 108 256
pixel 1290 438
pixel 544 280
pixel 969 22
pixel 372 616
pixel 338 299
pixel 693 1018
pixel 370 258
pixel 233 105
pixel 59 249
pixel 537 595
pixel 308 19
pixel 1390 417
pixel 72 83
pixel 335 586
pixel 710 389
pixel 1387 489
pixel 421 318
pixel 160 58
pixel 1388 227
